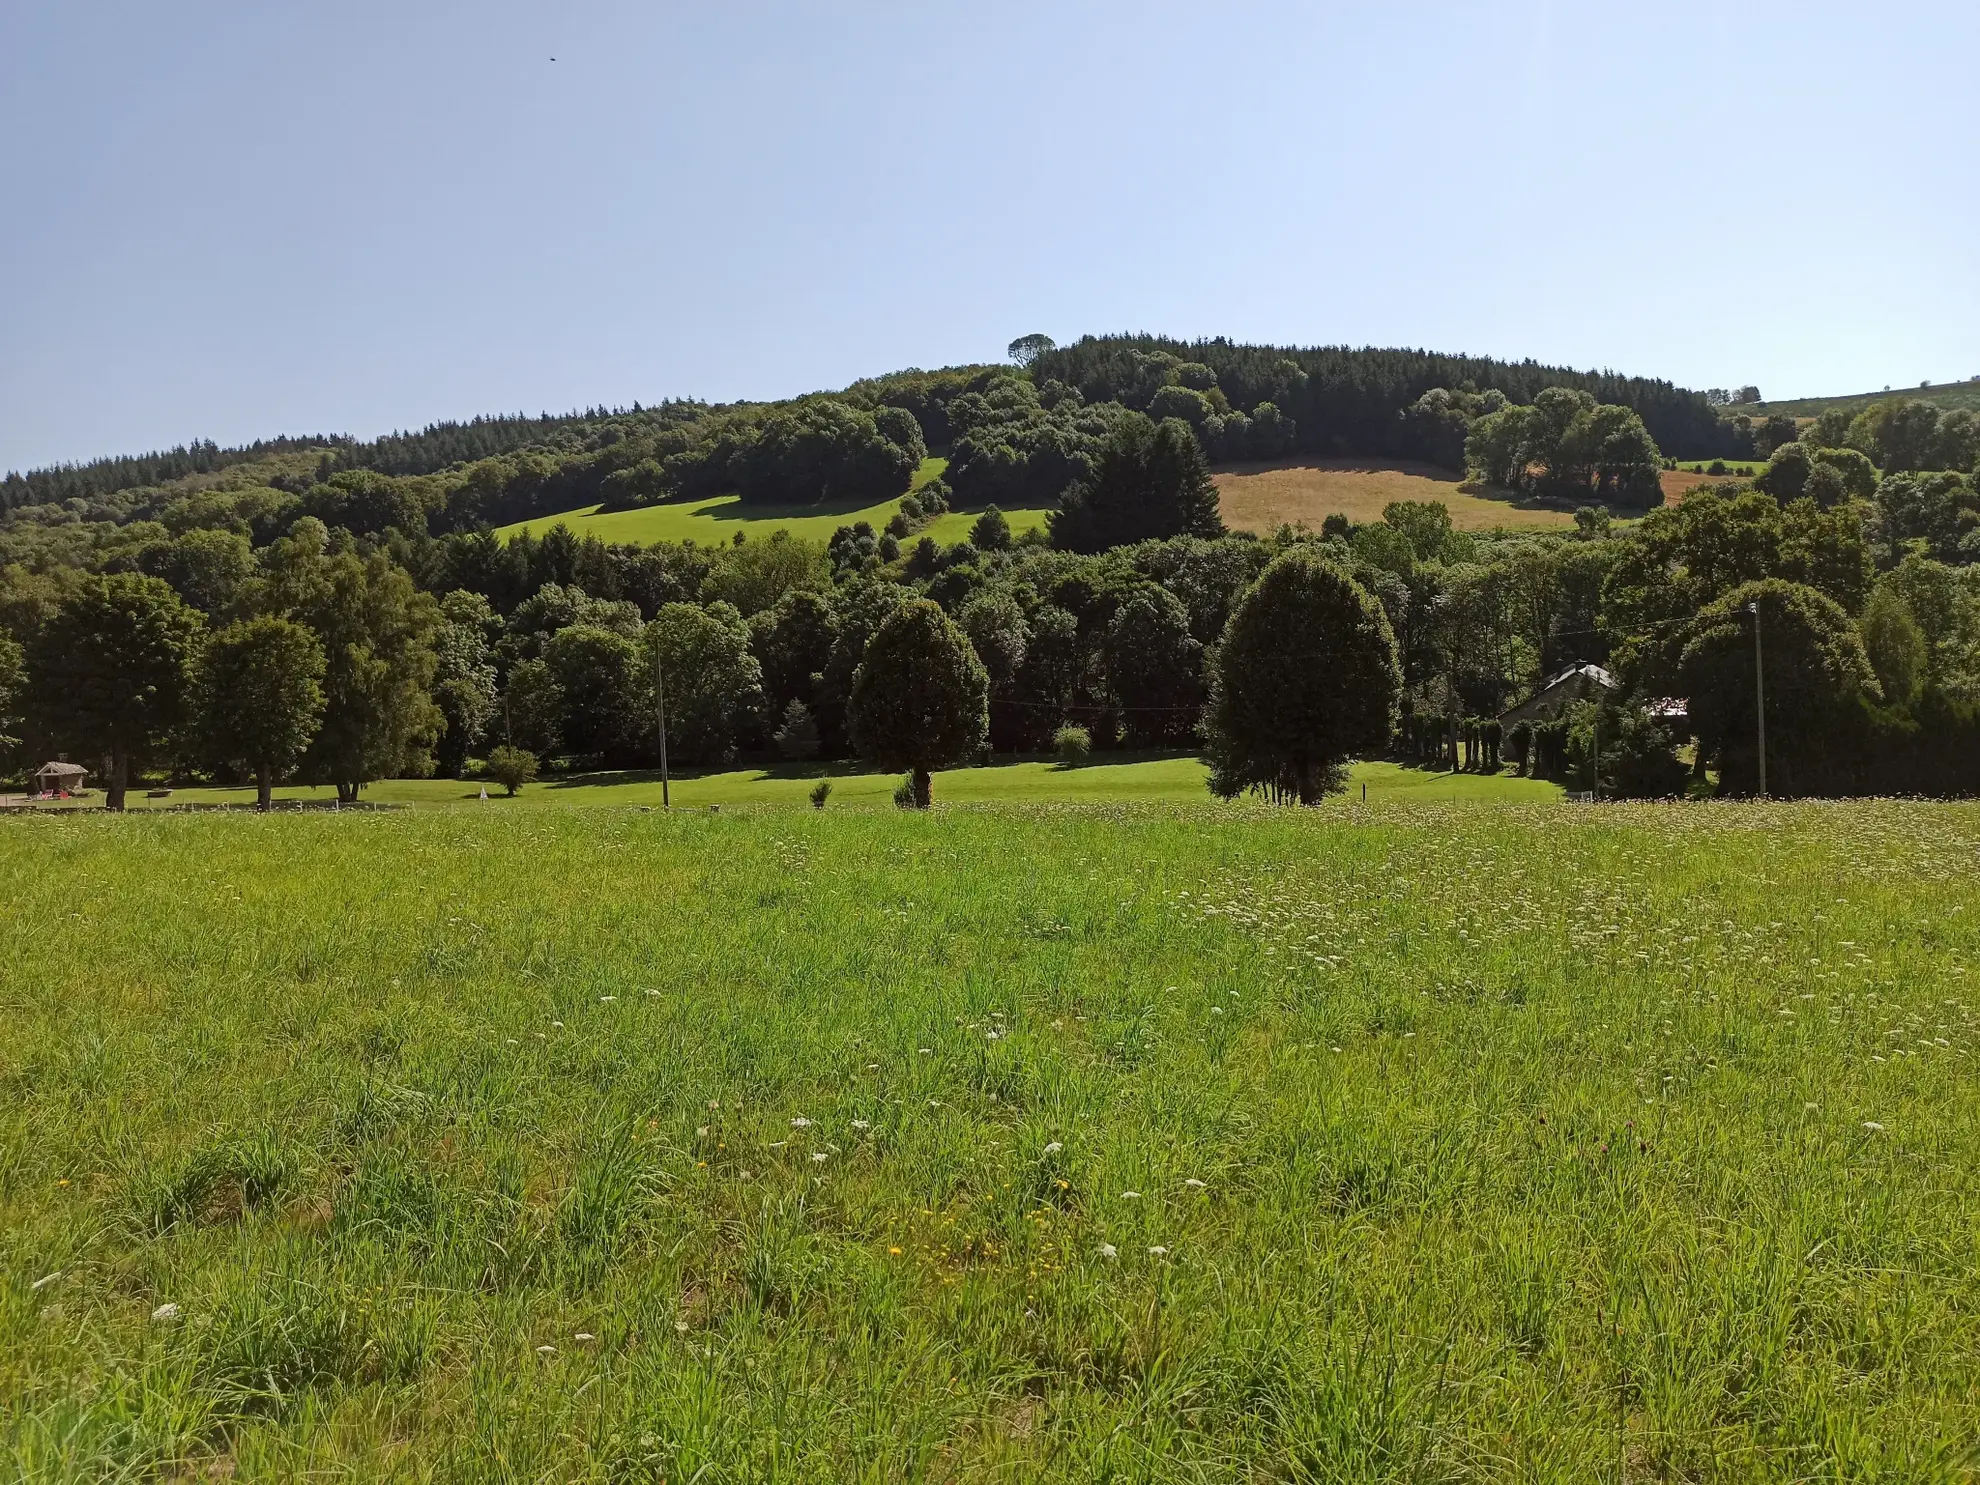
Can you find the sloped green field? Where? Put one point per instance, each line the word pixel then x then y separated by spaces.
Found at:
pixel 717 521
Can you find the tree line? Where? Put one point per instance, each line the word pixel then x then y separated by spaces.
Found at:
pixel 376 624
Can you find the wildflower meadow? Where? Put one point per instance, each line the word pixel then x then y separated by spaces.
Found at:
pixel 1166 1142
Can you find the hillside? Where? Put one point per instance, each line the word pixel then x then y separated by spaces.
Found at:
pixel 1947 396
pixel 1328 402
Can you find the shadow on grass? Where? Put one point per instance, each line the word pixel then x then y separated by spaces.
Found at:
pixel 836 768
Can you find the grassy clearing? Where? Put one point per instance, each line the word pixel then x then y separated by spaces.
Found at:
pixel 1945 395
pixel 1136 776
pixel 1263 497
pixel 1075 1143
pixel 1734 468
pixel 717 521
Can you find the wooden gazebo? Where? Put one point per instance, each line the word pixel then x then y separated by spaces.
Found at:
pixel 59 778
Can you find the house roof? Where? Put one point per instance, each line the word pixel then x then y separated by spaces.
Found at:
pixel 1558 691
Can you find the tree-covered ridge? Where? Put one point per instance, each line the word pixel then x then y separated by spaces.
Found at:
pixel 1243 401
pixel 1347 401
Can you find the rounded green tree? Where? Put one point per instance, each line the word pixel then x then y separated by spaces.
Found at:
pixel 920 698
pixel 1816 675
pixel 258 697
pixel 109 671
pixel 1305 678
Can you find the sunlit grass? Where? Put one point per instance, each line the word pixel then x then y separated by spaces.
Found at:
pixel 1135 777
pixel 717 520
pixel 1171 1142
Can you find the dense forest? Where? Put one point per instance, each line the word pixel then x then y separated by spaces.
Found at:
pixel 338 612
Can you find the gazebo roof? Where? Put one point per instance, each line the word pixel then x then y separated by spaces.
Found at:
pixel 60 770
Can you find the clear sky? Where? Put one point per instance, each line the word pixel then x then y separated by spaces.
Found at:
pixel 232 220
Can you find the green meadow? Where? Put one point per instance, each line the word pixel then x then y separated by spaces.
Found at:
pixel 717 521
pixel 1159 1141
pixel 1745 468
pixel 1136 777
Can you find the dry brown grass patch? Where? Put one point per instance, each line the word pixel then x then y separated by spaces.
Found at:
pixel 1264 497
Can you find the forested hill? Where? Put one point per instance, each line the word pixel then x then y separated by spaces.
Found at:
pixel 435 447
pixel 1340 401
pixel 1347 402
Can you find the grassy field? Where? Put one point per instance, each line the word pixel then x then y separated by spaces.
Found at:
pixel 1255 497
pixel 1735 468
pixel 1066 1142
pixel 714 522
pixel 1263 497
pixel 1946 395
pixel 1141 777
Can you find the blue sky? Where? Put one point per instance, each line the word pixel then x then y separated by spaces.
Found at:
pixel 232 220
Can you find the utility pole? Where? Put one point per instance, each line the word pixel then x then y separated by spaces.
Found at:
pixel 1759 696
pixel 660 693
pixel 1595 769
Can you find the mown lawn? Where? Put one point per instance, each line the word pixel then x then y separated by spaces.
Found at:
pixel 1142 777
pixel 1075 1142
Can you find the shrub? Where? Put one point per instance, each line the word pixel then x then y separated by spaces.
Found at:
pixel 820 792
pixel 1073 744
pixel 992 532
pixel 904 796
pixel 511 768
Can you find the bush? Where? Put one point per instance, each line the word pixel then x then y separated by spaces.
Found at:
pixel 904 796
pixel 1073 744
pixel 992 531
pixel 1638 758
pixel 820 792
pixel 511 768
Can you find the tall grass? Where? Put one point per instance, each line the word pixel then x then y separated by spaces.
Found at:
pixel 1426 1143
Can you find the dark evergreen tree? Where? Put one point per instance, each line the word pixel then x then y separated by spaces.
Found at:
pixel 1306 677
pixel 920 696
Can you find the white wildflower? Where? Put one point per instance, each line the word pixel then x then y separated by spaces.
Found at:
pixel 800 1122
pixel 1130 1196
pixel 1054 1148
pixel 165 1314
pixel 584 1337
pixel 1193 1184
pixel 607 999
pixel 1108 1250
pixel 546 1350
pixel 862 1124
pixel 45 1280
pixel 1158 1251
pixel 681 1326
pixel 820 1158
pixel 1873 1126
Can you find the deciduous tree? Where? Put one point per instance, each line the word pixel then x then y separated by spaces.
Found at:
pixel 109 672
pixel 259 698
